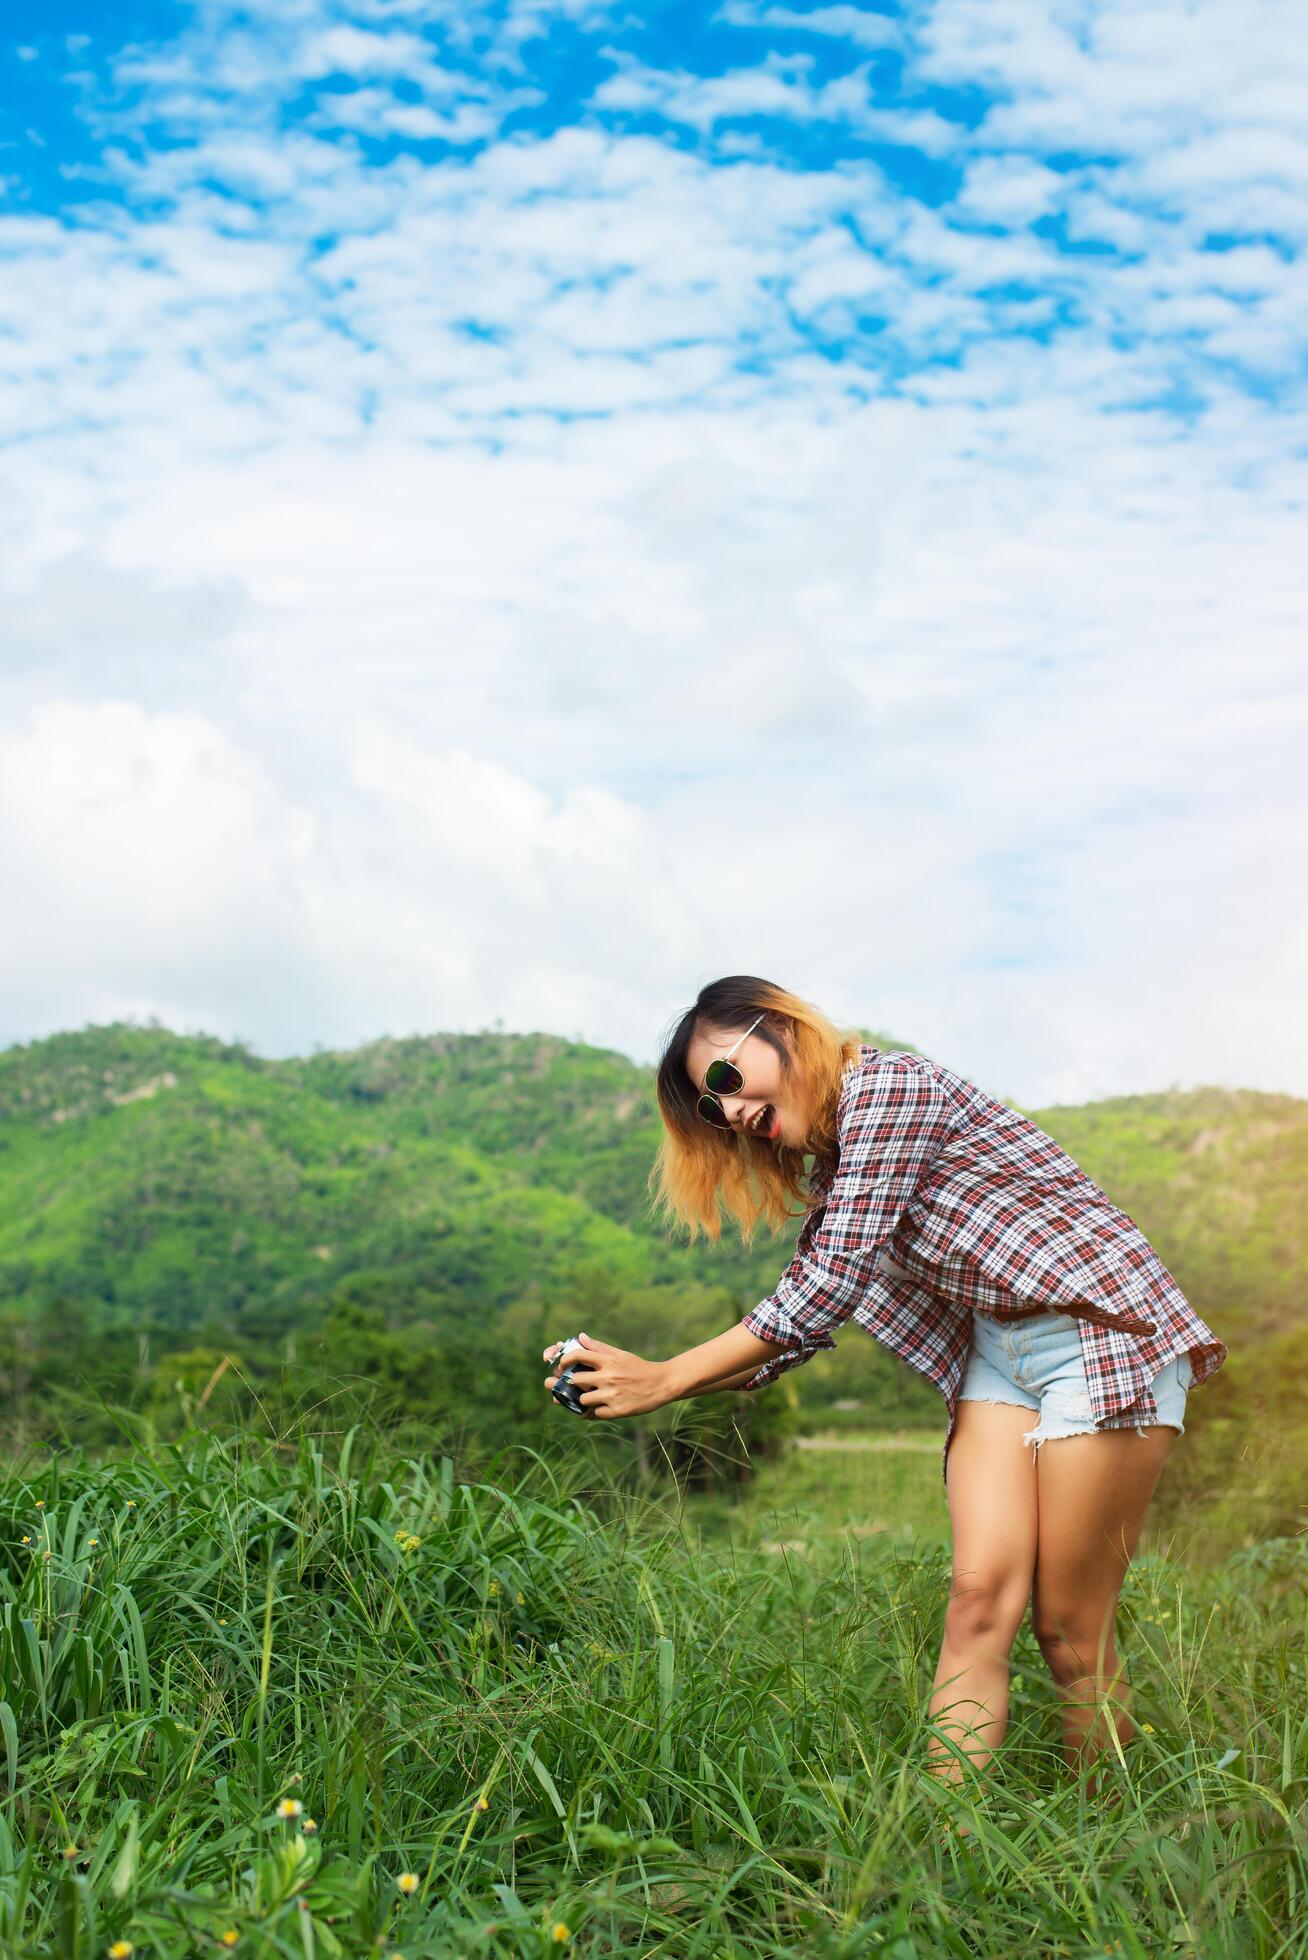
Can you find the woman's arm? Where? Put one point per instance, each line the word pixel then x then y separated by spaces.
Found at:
pixel 718 1363
pixel 612 1382
pixel 896 1121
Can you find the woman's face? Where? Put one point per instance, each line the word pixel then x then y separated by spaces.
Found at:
pixel 768 1104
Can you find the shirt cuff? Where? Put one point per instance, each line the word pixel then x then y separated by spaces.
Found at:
pixel 768 1322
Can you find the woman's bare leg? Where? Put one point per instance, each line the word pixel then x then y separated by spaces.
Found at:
pixel 1093 1495
pixel 991 1483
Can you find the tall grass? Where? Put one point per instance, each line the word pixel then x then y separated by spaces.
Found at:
pixel 586 1722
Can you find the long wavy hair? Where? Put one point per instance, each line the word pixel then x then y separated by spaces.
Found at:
pixel 699 1168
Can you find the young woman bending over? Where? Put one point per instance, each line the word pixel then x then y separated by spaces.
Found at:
pixel 967 1241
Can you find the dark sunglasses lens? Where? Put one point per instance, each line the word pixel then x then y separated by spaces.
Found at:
pixel 723 1078
pixel 714 1113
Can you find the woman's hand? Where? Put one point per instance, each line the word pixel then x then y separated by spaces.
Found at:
pixel 611 1382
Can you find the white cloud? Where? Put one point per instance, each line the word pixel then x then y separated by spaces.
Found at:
pixel 347 50
pixel 967 688
pixel 780 87
pixel 150 860
pixel 1193 102
pixel 857 25
pixel 1009 190
pixel 374 113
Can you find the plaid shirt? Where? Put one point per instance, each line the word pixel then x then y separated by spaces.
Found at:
pixel 979 1211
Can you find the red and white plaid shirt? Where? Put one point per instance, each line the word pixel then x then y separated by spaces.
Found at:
pixel 983 1212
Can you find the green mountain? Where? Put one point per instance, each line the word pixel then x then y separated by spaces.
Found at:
pixel 179 1181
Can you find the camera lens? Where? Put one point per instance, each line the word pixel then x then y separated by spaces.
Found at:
pixel 568 1394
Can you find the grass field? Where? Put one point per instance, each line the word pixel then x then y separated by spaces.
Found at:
pixel 272 1701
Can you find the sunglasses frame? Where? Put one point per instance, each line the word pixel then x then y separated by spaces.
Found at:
pixel 710 1096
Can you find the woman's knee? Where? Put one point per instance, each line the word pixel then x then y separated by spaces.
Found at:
pixel 984 1613
pixel 1074 1645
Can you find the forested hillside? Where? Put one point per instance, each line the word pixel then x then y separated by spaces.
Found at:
pixel 461 1195
pixel 189 1184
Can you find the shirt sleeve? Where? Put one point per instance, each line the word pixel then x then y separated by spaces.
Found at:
pixel 897 1119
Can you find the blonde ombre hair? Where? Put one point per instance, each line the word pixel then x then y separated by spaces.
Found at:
pixel 698 1168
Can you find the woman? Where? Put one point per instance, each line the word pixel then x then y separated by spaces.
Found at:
pixel 967 1241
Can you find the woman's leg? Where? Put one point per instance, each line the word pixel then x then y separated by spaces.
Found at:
pixel 1093 1492
pixel 991 1483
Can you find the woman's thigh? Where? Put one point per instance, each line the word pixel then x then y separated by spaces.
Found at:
pixel 1092 1496
pixel 991 1484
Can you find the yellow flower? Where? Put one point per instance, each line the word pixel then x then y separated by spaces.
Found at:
pixel 1147 1727
pixel 91 1544
pixel 483 1803
pixel 27 1537
pixel 229 1938
pixel 408 1883
pixel 71 1852
pixel 40 1504
pixel 121 1950
pixel 131 1505
pixel 493 1588
pixel 222 1623
pixel 308 1827
pixel 560 1932
pixel 521 1598
pixel 289 1807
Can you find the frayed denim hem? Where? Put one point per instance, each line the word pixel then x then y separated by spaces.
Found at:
pixel 1040 1434
pixel 1035 1437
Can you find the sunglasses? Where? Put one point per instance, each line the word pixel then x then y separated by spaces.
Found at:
pixel 722 1078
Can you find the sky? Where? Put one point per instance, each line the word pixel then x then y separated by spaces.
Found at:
pixel 509 512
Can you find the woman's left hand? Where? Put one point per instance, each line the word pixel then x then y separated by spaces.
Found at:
pixel 611 1382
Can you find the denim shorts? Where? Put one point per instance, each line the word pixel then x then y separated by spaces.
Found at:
pixel 1036 1364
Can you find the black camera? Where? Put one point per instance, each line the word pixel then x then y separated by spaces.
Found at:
pixel 566 1390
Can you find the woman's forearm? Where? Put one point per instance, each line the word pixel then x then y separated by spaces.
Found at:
pixel 736 1380
pixel 723 1362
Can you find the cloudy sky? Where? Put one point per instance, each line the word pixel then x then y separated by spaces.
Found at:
pixel 511 511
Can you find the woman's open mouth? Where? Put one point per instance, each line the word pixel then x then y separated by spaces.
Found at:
pixel 766 1124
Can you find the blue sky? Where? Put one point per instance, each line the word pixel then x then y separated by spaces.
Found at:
pixel 513 511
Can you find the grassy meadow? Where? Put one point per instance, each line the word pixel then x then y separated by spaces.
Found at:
pixel 272 1697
